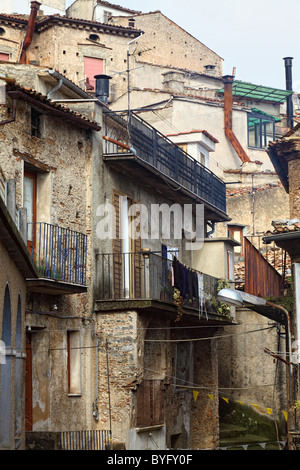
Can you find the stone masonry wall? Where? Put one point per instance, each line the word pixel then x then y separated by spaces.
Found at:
pixel 166 43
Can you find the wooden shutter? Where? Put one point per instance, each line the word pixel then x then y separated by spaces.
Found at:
pixel 150 403
pixel 117 250
pixel 4 57
pixel 92 67
pixel 137 260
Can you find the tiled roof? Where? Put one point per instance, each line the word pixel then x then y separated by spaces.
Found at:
pixel 195 132
pixel 47 21
pixel 117 7
pixel 244 191
pixel 30 95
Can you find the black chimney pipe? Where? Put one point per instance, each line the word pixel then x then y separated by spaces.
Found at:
pixel 289 86
pixel 102 87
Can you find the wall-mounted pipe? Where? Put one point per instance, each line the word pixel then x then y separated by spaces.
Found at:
pixel 29 31
pixel 228 80
pixel 289 86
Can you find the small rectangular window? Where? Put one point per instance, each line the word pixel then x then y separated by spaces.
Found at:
pixel 106 16
pixel 35 123
pixel 74 362
pixel 4 57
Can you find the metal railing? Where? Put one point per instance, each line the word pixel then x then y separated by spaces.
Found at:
pixel 161 153
pixel 59 253
pixel 148 275
pixel 85 440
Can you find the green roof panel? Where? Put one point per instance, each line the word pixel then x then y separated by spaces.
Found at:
pixel 258 92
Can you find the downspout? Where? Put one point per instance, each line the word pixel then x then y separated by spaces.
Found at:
pixel 56 88
pixel 228 80
pixel 29 31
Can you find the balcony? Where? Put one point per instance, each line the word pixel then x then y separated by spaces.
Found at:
pixel 144 280
pixel 60 255
pixel 135 148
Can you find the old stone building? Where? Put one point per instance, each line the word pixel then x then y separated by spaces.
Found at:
pixel 133 351
pixel 48 152
pixel 16 266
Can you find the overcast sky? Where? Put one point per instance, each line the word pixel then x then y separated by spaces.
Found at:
pixel 252 36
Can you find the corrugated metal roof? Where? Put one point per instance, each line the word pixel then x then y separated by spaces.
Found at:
pixel 258 92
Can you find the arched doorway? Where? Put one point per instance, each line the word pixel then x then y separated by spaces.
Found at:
pixel 19 372
pixel 5 395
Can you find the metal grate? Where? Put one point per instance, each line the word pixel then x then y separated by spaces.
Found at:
pixel 85 440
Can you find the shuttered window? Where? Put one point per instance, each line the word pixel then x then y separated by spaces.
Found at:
pixel 150 403
pixel 92 67
pixel 4 57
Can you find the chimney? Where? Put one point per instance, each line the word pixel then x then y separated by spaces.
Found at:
pixel 29 30
pixel 228 81
pixel 131 22
pixel 289 86
pixel 102 88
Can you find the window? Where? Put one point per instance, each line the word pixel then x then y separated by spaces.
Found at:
pixel 35 123
pixel 106 16
pixel 237 233
pixel 30 200
pixel 92 67
pixel 94 37
pixel 184 365
pixel 127 247
pixel 4 57
pixel 261 130
pixel 74 362
pixel 183 147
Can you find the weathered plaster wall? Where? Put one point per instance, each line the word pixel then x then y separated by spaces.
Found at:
pixel 10 275
pixel 294 188
pixel 130 357
pixel 246 372
pixel 254 211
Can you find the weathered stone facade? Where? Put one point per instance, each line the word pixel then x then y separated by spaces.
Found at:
pixel 60 159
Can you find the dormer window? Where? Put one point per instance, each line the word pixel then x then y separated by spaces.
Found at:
pixel 106 16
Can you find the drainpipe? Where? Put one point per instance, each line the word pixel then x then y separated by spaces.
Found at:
pixel 228 80
pixel 29 30
pixel 289 86
pixel 56 88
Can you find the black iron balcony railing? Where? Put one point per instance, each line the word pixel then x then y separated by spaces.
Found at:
pixel 148 275
pixel 59 253
pixel 131 134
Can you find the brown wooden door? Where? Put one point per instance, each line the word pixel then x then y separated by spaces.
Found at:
pixel 28 383
pixel 30 191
